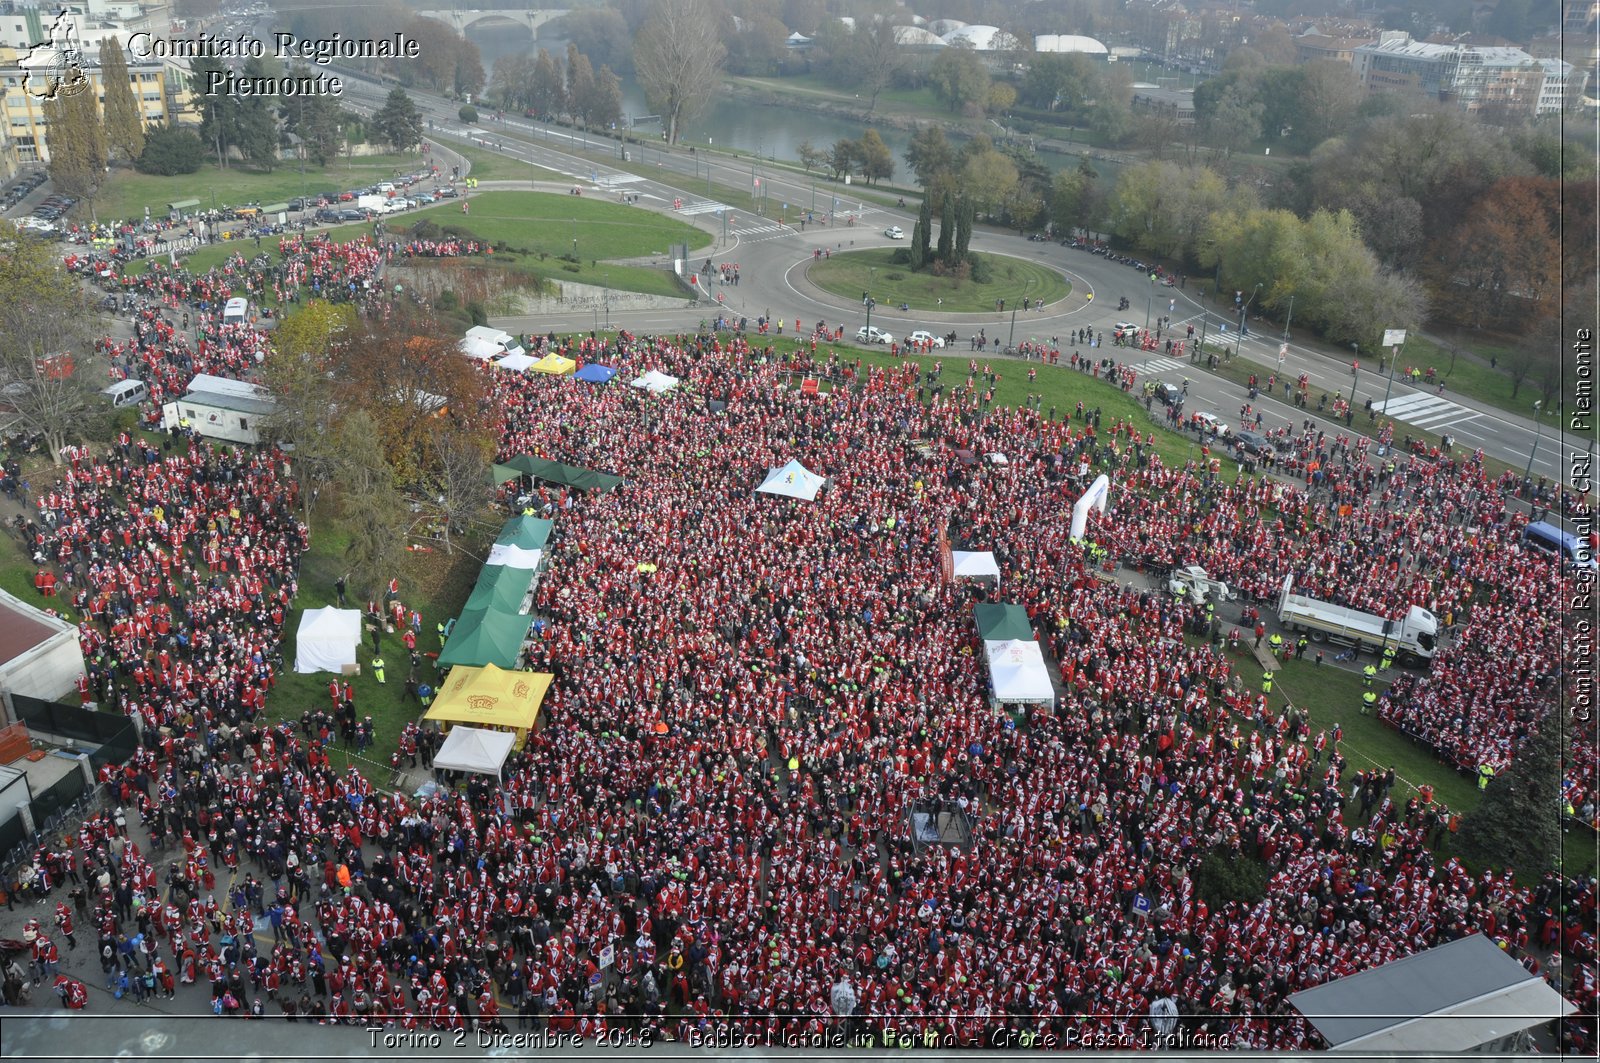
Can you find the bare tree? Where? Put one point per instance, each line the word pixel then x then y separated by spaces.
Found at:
pixel 457 489
pixel 678 58
pixel 42 319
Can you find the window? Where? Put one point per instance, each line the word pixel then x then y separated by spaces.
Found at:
pixel 244 424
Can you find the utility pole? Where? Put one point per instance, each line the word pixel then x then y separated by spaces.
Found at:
pixel 1538 434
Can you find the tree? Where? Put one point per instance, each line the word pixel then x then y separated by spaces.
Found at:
pixel 375 515
pixel 317 121
pixel 219 113
pixel 1069 196
pixel 305 413
pixel 1058 82
pixel 930 154
pixel 877 161
pixel 759 47
pixel 922 235
pixel 257 122
pixel 964 212
pixel 1329 97
pixel 605 103
pixel 1000 98
pixel 600 33
pixel 398 122
pixel 548 92
pixel 42 313
pixel 512 82
pixel 456 489
pixel 77 144
pixel 947 230
pixel 880 54
pixel 811 157
pixel 170 150
pixel 124 125
pixel 1517 824
pixel 987 179
pixel 842 157
pixel 1235 119
pixel 678 56
pixel 958 78
pixel 580 84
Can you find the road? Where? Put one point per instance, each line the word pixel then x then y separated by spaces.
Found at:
pixel 773 257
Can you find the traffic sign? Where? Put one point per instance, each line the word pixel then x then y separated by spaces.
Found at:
pixel 1394 337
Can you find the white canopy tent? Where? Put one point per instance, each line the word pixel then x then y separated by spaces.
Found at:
pixel 480 349
pixel 656 382
pixel 975 564
pixel 475 749
pixel 1017 672
pixel 513 556
pixel 792 480
pixel 516 363
pixel 327 640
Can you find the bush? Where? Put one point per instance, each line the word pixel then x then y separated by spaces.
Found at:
pixel 1224 876
pixel 448 300
pixel 896 275
pixel 170 150
pixel 900 256
pixel 979 268
pixel 469 114
pixel 477 313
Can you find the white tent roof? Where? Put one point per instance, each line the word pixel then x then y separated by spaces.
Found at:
pixel 1017 672
pixel 975 563
pixel 792 480
pixel 475 749
pixel 656 382
pixel 513 556
pixel 517 363
pixel 480 349
pixel 327 639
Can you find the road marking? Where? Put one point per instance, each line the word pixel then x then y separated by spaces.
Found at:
pixel 1423 410
pixel 1160 365
pixel 703 206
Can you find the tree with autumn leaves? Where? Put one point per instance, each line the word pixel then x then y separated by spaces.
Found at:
pixel 388 421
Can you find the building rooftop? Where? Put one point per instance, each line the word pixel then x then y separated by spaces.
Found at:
pixel 22 627
pixel 227 394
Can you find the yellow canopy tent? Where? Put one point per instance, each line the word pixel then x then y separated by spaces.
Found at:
pixel 492 697
pixel 554 365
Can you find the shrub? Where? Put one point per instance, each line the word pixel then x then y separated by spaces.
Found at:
pixel 979 269
pixel 901 256
pixel 895 275
pixel 1224 876
pixel 448 300
pixel 477 313
pixel 469 114
pixel 170 150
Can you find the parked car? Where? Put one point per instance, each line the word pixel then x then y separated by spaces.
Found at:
pixel 922 336
pixel 894 232
pixel 873 334
pixel 352 215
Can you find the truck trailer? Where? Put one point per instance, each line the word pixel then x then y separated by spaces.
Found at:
pixel 1414 637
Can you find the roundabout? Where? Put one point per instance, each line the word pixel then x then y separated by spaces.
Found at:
pixel 853 274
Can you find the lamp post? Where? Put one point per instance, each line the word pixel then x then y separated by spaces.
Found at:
pixel 1538 433
pixel 871 302
pixel 574 240
pixel 1147 313
pixel 1012 341
pixel 1199 352
pixel 1243 313
pixel 606 277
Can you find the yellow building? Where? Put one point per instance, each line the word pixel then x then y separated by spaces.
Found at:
pixel 160 91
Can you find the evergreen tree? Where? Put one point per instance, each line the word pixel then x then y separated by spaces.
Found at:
pixel 918 248
pixel 964 213
pixel 923 251
pixel 1517 824
pixel 171 150
pixel 316 120
pixel 77 144
pixel 947 229
pixel 219 113
pixel 398 123
pixel 124 125
pixel 258 121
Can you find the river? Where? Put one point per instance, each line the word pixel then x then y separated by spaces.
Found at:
pixel 773 131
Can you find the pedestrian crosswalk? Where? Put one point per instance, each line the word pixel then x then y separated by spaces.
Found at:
pixel 1158 365
pixel 1424 411
pixel 702 206
pixel 767 231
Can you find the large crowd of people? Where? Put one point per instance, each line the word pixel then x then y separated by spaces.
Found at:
pixel 754 696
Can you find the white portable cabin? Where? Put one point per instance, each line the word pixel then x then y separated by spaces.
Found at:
pixel 219 408
pixel 499 337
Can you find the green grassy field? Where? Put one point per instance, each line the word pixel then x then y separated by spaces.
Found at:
pixel 1473 377
pixel 548 223
pixel 128 192
pixel 853 272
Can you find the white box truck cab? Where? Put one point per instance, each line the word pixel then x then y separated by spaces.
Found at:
pixel 236 311
pixel 1414 636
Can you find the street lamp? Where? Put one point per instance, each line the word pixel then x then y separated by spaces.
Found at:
pixel 1012 341
pixel 1538 434
pixel 606 277
pixel 871 302
pixel 1243 312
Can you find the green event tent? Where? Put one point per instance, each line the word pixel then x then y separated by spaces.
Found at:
pixel 486 636
pixel 559 473
pixel 527 533
pixel 500 589
pixel 999 623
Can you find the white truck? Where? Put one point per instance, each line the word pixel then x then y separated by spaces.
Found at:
pixel 376 204
pixel 1198 586
pixel 1414 637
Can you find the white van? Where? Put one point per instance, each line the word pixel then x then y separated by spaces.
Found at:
pixel 126 393
pixel 236 312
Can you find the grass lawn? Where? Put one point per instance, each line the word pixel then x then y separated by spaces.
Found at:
pixel 128 192
pixel 438 594
pixel 1472 376
pixel 852 272
pixel 548 223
